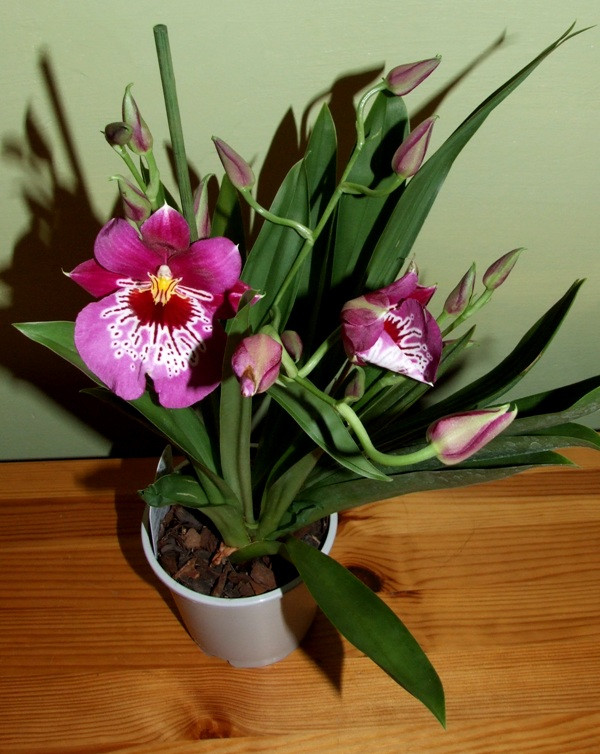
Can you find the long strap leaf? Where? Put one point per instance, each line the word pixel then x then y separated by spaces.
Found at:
pixel 409 215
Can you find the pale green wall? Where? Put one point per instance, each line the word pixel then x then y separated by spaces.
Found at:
pixel 530 177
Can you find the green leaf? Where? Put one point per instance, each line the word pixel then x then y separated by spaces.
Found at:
pixel 227 217
pixel 183 426
pixel 562 404
pixel 215 501
pixel 404 225
pixel 369 624
pixel 339 491
pixel 324 426
pixel 276 247
pixel 361 218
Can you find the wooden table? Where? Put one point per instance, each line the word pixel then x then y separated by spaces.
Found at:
pixel 500 583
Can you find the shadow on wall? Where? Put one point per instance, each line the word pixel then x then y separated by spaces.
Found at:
pixel 63 227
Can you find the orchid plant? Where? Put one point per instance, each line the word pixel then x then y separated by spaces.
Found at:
pixel 291 374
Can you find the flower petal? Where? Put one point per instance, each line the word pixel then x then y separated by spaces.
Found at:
pixel 411 343
pixel 119 249
pixel 201 378
pixel 94 279
pixel 97 340
pixel 212 264
pixel 166 231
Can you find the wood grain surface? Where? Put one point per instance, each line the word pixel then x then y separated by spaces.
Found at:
pixel 500 583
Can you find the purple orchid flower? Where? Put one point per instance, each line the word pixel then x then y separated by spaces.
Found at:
pixel 392 329
pixel 156 317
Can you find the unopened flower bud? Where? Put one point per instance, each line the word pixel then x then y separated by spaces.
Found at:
pixel 117 134
pixel 141 138
pixel 410 154
pixel 459 299
pixel 497 273
pixel 404 78
pixel 457 437
pixel 136 206
pixel 256 362
pixel 355 387
pixel 201 211
pixel 292 344
pixel 238 171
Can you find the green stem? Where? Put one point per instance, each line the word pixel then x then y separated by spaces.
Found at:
pixel 335 198
pixel 320 353
pixel 469 311
pixel 302 230
pixel 385 459
pixel 126 157
pixel 167 75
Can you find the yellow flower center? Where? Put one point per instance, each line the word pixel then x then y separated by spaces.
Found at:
pixel 163 285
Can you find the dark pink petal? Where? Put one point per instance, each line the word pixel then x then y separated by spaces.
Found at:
pixel 202 377
pixel 228 303
pixel 410 344
pixel 120 368
pixel 95 279
pixel 457 437
pixel 400 289
pixel 119 249
pixel 362 324
pixel 212 264
pixel 166 231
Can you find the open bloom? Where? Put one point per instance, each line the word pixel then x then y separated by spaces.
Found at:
pixel 391 328
pixel 457 437
pixel 256 362
pixel 156 317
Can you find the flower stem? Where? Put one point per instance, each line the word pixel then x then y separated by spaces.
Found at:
pixel 385 459
pixel 165 63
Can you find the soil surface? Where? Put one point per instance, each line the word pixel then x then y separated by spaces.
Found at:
pixel 188 550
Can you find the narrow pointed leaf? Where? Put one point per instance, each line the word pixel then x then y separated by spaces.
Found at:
pixel 369 624
pixel 183 426
pixel 324 426
pixel 404 225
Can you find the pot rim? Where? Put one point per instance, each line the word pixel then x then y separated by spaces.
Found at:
pixel 224 603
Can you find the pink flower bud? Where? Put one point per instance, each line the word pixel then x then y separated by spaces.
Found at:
pixel 404 78
pixel 459 299
pixel 136 206
pixel 497 273
pixel 256 363
pixel 410 154
pixel 457 437
pixel 141 138
pixel 237 169
pixel 355 387
pixel 201 211
pixel 117 134
pixel 292 344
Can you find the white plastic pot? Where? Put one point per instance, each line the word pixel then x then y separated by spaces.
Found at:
pixel 248 632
